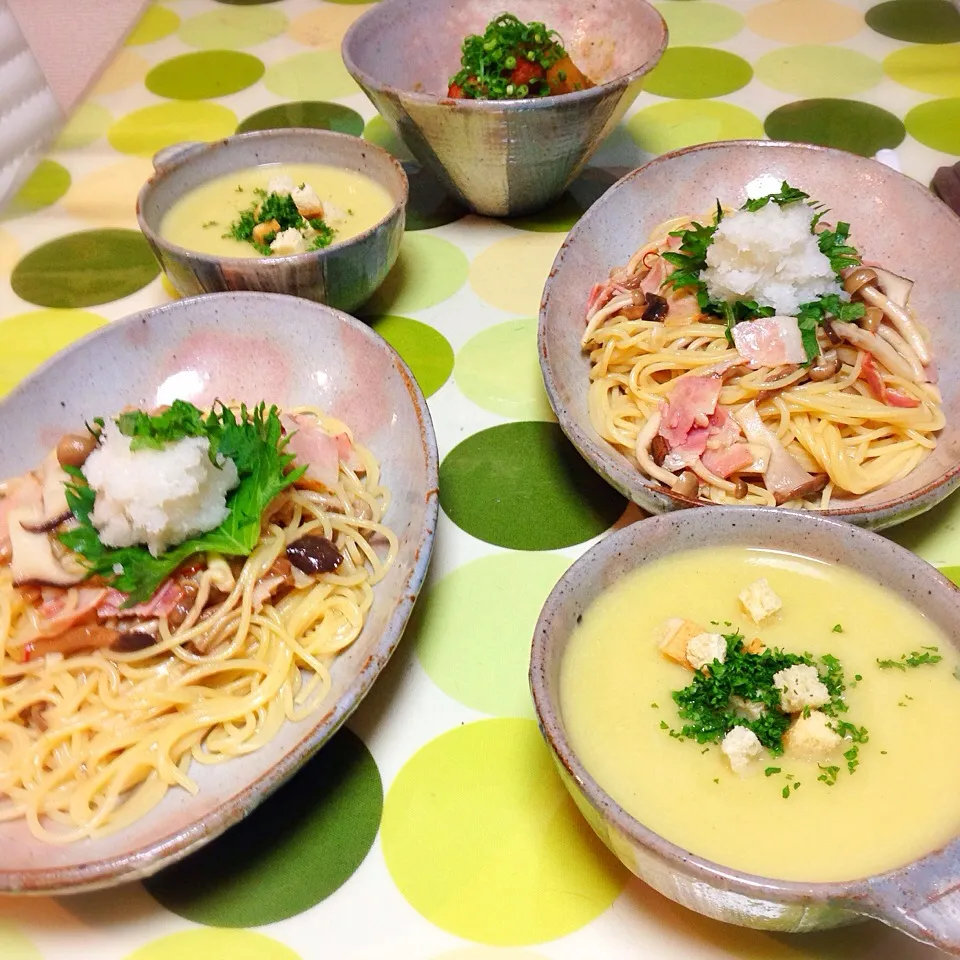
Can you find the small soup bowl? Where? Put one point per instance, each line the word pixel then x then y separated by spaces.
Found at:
pixel 501 157
pixel 921 898
pixel 343 275
pixel 894 221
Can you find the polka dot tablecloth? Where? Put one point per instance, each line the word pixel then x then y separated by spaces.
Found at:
pixel 434 828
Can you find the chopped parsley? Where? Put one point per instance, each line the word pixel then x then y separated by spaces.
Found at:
pixel 829 775
pixel 709 704
pixel 785 792
pixel 916 658
pixel 837 628
pixel 706 703
pixel 691 260
pixel 279 210
pixel 254 441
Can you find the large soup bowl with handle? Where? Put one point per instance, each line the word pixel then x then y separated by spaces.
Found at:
pixel 894 221
pixel 244 347
pixel 343 275
pixel 501 157
pixel 921 898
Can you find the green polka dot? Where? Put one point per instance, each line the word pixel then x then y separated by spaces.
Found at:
pixel 499 370
pixel 524 486
pixel 27 339
pixel 427 272
pixel 82 269
pixel 845 124
pixel 916 21
pixel 428 205
pixel 14 944
pixel 559 217
pixel 936 124
pixel 156 23
pixel 89 122
pixel 149 129
pixel 318 75
pixel 201 76
pixel 683 123
pixel 476 651
pixel 378 131
pixel 693 73
pixel 699 21
pixel 201 944
pixel 292 852
pixel 818 71
pixel 482 839
pixel 510 273
pixel 313 114
pixel 934 68
pixel 232 28
pixel 45 186
pixel 952 574
pixel 425 350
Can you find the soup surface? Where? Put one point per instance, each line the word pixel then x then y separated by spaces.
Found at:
pixel 898 804
pixel 200 219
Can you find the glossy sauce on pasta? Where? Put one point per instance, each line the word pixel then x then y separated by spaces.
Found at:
pixel 898 805
pixel 201 217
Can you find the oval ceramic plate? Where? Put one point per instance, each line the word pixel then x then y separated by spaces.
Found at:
pixel 894 221
pixel 248 347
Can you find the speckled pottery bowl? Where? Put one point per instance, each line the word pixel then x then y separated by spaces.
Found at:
pixel 501 157
pixel 343 275
pixel 200 349
pixel 921 899
pixel 895 221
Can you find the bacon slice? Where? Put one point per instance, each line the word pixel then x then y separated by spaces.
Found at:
pixel 313 446
pixel 893 396
pixel 770 341
pixel 690 404
pixel 161 604
pixel 729 460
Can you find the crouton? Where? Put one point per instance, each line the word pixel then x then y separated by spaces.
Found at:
pixel 742 747
pixel 800 686
pixel 307 202
pixel 704 648
pixel 811 737
pixel 281 185
pixel 672 637
pixel 746 709
pixel 263 230
pixel 287 242
pixel 756 645
pixel 759 601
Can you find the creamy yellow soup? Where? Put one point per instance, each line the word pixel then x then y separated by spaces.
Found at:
pixel 899 804
pixel 199 219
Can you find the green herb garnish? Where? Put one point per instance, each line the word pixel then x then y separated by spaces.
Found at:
pixel 508 61
pixel 829 775
pixel 706 703
pixel 915 659
pixel 770 771
pixel 691 260
pixel 281 209
pixel 254 441
pixel 837 628
pixel 785 792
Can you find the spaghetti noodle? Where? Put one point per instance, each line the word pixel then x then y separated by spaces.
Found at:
pixel 680 388
pixel 208 669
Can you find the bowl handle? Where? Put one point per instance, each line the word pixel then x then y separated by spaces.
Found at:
pixel 922 900
pixel 169 155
